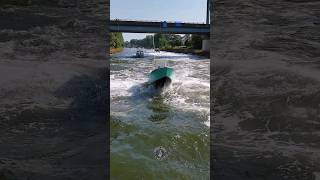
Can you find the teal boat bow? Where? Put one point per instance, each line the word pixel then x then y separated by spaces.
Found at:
pixel 161 77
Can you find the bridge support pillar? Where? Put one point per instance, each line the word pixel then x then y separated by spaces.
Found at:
pixel 206 45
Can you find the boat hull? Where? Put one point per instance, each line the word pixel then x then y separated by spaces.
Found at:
pixel 139 56
pixel 161 77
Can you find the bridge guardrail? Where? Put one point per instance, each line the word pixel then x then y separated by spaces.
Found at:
pixel 157 21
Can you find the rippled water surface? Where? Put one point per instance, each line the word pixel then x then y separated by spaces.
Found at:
pixel 159 135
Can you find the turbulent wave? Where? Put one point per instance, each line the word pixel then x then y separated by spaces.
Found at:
pixel 175 119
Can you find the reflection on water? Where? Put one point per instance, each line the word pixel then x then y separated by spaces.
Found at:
pixel 159 135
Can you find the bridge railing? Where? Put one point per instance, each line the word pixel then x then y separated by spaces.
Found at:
pixel 157 21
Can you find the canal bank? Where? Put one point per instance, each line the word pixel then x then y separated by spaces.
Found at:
pixel 115 50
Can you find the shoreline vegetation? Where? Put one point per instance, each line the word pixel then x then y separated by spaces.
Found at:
pixel 116 42
pixel 187 44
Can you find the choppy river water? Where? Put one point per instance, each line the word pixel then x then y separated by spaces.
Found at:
pixel 159 136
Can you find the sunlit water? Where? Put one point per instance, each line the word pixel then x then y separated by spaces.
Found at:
pixel 159 135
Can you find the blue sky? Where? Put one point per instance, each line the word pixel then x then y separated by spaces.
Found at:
pixel 160 10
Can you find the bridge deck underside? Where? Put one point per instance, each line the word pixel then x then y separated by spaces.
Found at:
pixel 156 27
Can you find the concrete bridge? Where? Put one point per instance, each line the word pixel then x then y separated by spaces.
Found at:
pixel 127 26
pixel 158 27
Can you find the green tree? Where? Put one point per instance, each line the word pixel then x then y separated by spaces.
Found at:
pixel 160 41
pixel 116 40
pixel 187 40
pixel 174 40
pixel 196 41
